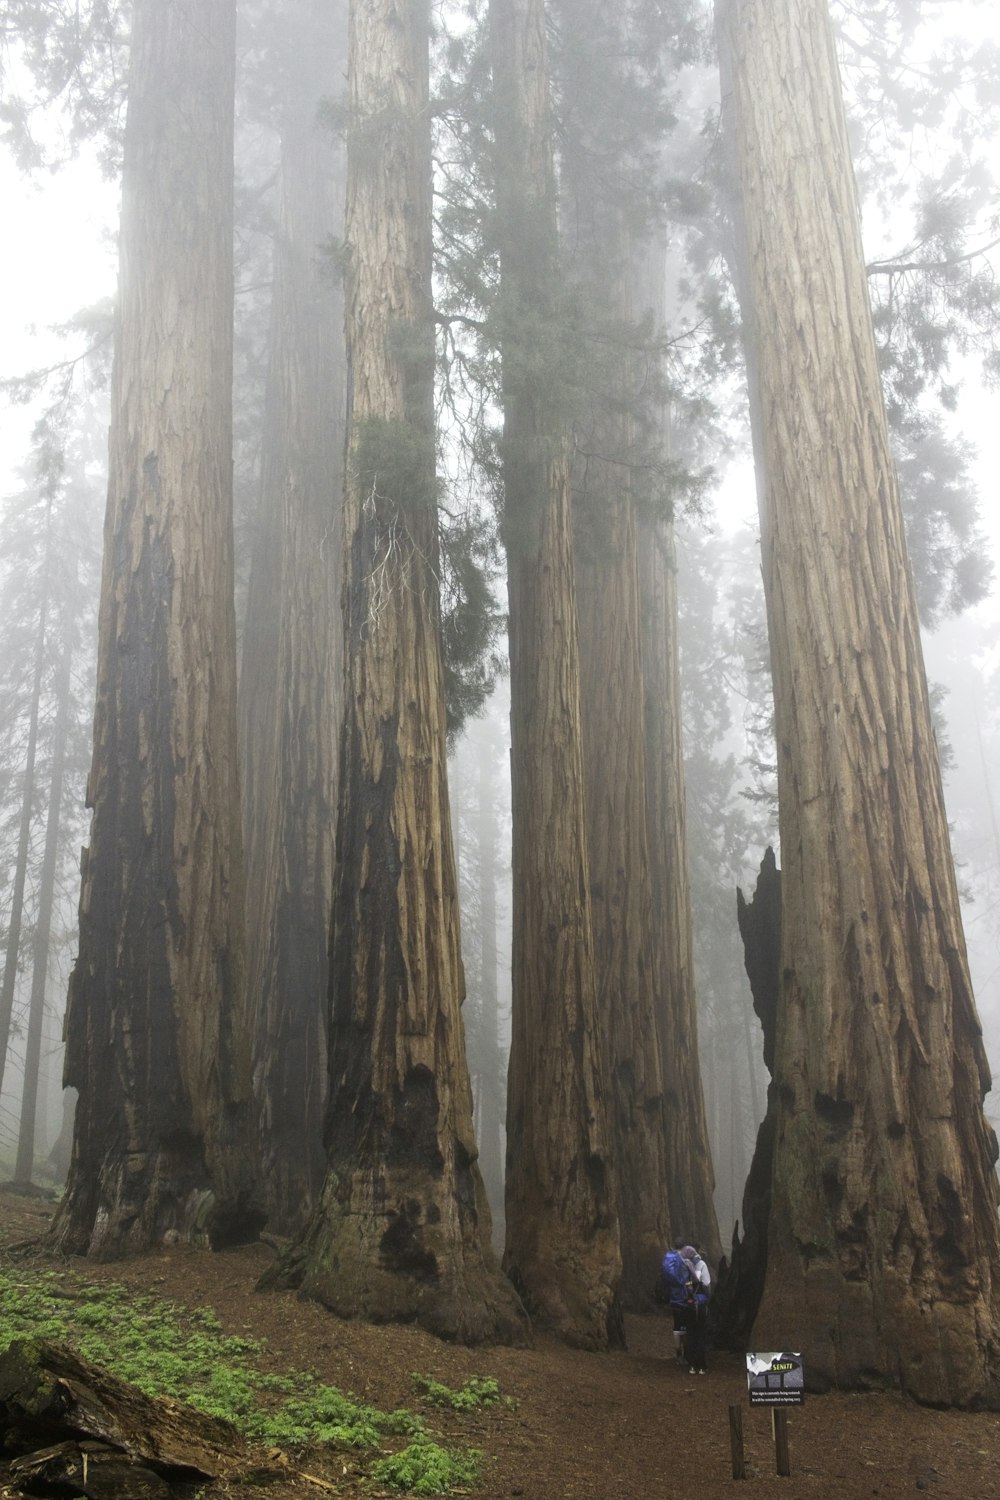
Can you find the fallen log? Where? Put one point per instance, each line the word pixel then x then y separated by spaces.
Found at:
pixel 90 1469
pixel 52 1399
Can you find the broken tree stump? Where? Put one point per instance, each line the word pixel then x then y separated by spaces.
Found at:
pixel 51 1399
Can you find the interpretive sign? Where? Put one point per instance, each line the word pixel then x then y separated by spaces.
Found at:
pixel 775 1379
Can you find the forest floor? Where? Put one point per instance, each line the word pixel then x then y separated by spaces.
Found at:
pixel 629 1425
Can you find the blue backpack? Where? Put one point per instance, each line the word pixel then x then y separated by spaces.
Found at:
pixel 676 1280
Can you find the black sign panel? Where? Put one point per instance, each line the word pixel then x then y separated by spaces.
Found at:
pixel 775 1379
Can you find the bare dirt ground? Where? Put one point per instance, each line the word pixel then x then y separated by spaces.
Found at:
pixel 624 1426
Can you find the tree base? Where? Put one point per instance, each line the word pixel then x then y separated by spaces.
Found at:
pixel 396 1266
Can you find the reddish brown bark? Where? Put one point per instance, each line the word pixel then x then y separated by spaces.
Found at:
pixel 883 1242
pixel 157 1041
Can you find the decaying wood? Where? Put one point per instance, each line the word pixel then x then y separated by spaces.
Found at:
pixel 58 1411
pixel 90 1469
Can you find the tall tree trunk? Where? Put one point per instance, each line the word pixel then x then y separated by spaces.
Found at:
pixel 290 829
pixel 883 1239
pixel 621 903
pixel 611 697
pixel 401 1229
pixel 562 1244
pixel 157 1040
pixel 43 926
pixel 23 839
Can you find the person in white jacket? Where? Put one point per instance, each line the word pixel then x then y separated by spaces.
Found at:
pixel 695 1343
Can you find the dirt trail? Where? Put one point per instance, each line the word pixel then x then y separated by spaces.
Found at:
pixel 626 1426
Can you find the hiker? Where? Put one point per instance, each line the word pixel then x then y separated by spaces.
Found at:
pixel 695 1344
pixel 676 1287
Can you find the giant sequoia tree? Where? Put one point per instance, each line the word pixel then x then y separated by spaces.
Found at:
pixel 157 1042
pixel 562 1241
pixel 402 1228
pixel 291 679
pixel 602 151
pixel 883 1249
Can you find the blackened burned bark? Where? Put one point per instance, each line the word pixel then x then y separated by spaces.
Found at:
pixel 760 928
pixel 883 1248
pixel 741 1279
pixel 562 1237
pixel 401 1230
pixel 296 679
pixel 156 1036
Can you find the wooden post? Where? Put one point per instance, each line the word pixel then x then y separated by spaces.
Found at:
pixel 779 1423
pixel 736 1442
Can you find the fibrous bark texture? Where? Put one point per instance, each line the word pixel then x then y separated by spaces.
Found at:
pixel 157 1041
pixel 401 1230
pixel 289 825
pixel 883 1242
pixel 562 1239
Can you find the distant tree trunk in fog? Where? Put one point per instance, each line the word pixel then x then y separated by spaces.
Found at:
pixel 157 1040
pixel 611 699
pixel 690 1173
pixel 43 924
pixel 562 1241
pixel 289 823
pixel 401 1230
pixel 883 1246
pixel 23 841
pixel 491 1078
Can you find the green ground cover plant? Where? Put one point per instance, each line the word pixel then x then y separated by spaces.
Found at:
pixel 184 1354
pixel 478 1391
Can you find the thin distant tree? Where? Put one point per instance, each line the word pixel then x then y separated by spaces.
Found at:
pixel 401 1229
pixel 479 786
pixel 490 1092
pixel 562 1238
pixel 24 1163
pixel 157 1040
pixel 15 919
pixel 291 689
pixel 882 1243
